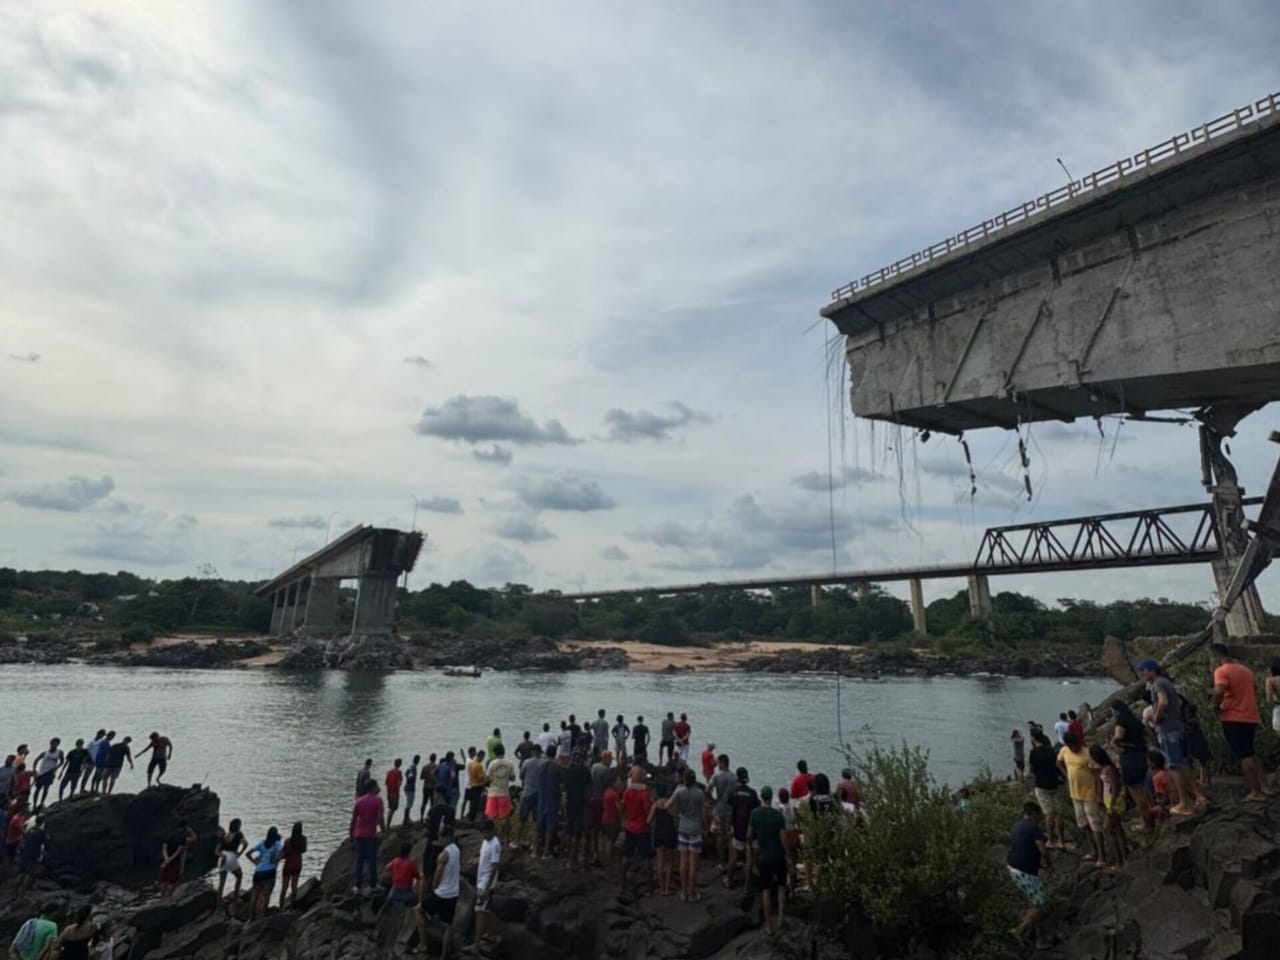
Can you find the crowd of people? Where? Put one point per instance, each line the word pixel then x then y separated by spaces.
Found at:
pixel 595 795
pixel 1094 772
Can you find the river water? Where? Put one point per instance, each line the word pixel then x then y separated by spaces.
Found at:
pixel 279 747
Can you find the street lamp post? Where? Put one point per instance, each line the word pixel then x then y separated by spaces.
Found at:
pixel 328 520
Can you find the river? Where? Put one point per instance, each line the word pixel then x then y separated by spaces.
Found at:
pixel 279 747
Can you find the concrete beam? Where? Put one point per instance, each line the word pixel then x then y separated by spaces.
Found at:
pixel 918 621
pixel 979 597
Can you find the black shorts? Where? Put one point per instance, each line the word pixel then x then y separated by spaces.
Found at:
pixel 265 879
pixel 772 874
pixel 442 908
pixel 1133 768
pixel 158 763
pixel 1240 737
pixel 669 744
pixel 637 846
pixel 45 779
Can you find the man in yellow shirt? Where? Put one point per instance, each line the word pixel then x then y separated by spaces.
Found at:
pixel 1082 783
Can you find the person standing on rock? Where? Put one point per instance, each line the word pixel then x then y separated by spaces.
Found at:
pixel 447 781
pixel 367 821
pixel 801 782
pixel 486 880
pixel 765 828
pixel 1129 737
pixel 1019 755
pixel 74 769
pixel 264 857
pixel 91 762
pixel 7 773
pixel 1236 700
pixel 31 852
pixel 1171 732
pixel 498 777
pixel 1028 853
pixel 161 750
pixel 524 749
pixel 172 854
pixel 622 733
pixel 722 783
pixel 667 738
pixel 546 739
pixel 743 800
pixel 683 733
pixel 491 745
pixel 47 765
pixel 428 780
pixel 602 774
pixel 640 737
pixel 117 756
pixel 364 776
pixel 549 803
pixel 1082 783
pixel 291 857
pixel 442 903
pixel 231 847
pixel 708 759
pixel 474 802
pixel 410 787
pixel 637 843
pixel 36 937
pixel 73 942
pixel 394 781
pixel 1060 729
pixel 1046 781
pixel 599 733
pixel 530 779
pixel 577 785
pixel 689 804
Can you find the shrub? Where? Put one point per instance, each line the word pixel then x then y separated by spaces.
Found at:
pixel 136 635
pixel 919 869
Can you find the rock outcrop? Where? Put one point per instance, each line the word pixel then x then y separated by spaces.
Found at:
pixel 97 837
pixel 1206 889
pixel 374 651
pixel 913 663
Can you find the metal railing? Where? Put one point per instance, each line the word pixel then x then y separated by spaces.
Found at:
pixel 1150 157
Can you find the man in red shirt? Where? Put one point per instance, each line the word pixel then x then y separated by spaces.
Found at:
pixel 405 876
pixel 367 820
pixel 609 802
pixel 637 843
pixel 801 782
pixel 708 762
pixel 1075 727
pixel 395 778
pixel 1236 699
pixel 682 731
pixel 13 830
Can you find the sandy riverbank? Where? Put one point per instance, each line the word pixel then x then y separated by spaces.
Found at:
pixel 655 657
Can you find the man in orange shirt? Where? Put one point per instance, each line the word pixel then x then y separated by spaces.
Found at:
pixel 395 779
pixel 1236 700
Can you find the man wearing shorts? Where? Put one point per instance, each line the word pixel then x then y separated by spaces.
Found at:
pixel 530 778
pixel 117 755
pixel 102 760
pixel 499 776
pixel 91 761
pixel 1050 795
pixel 682 732
pixel 161 749
pixel 636 844
pixel 722 783
pixel 599 733
pixel 640 737
pixel 764 833
pixel 621 734
pixel 667 742
pixel 1235 697
pixel 77 759
pixel 411 787
pixel 47 766
pixel 1028 852
pixel 1171 733
pixel 486 878
pixel 442 903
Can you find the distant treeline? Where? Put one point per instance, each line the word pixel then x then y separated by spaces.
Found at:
pixel 126 602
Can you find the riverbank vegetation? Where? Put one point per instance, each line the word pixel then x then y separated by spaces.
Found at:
pixel 137 608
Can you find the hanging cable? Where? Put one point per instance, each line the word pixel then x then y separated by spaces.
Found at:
pixel 831 514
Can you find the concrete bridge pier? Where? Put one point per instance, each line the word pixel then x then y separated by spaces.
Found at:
pixel 918 622
pixel 375 604
pixel 322 607
pixel 815 595
pixel 980 597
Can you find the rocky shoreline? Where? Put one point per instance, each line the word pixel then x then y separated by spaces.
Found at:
pixel 528 654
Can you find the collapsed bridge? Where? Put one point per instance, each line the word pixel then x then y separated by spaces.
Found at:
pixel 1148 285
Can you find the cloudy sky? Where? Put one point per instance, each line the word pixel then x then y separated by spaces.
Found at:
pixel 551 271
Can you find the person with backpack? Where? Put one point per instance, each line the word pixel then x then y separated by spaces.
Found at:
pixel 35 938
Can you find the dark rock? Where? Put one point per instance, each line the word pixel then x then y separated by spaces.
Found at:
pixel 302 656
pixel 309 894
pixel 197 656
pixel 190 902
pixel 97 837
pixel 367 652
pixel 189 941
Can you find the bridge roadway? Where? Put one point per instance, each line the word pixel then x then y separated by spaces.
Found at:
pixel 1166 535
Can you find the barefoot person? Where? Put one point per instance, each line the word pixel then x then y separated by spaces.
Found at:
pixel 161 750
pixel 410 787
pixel 394 781
pixel 264 857
pixel 77 758
pixel 689 804
pixel 499 776
pixel 764 835
pixel 117 756
pixel 621 734
pixel 1236 700
pixel 231 847
pixel 47 765
pixel 1082 784
pixel 1027 855
pixel 1050 794
pixel 442 903
pixel 683 734
pixel 1166 720
pixel 291 862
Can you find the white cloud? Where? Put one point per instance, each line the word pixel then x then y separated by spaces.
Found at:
pixel 72 494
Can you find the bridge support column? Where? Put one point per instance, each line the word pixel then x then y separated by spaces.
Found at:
pixel 322 607
pixel 1246 617
pixel 375 604
pixel 277 611
pixel 979 597
pixel 815 595
pixel 918 621
pixel 864 590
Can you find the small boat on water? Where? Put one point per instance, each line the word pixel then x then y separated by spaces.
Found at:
pixel 471 674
